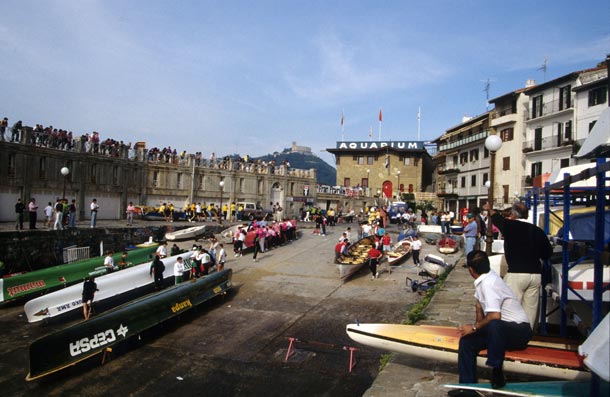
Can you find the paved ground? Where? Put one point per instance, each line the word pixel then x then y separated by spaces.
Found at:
pixel 236 346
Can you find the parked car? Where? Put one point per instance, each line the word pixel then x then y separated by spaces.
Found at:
pixel 255 212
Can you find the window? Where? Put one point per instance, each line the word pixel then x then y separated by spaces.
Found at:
pixel 505 193
pixel 115 176
pixel 337 160
pixel 365 182
pixel 410 188
pixel 179 180
pixel 360 160
pixel 597 96
pixel 346 182
pixel 42 168
pixel 474 155
pixel 537 106
pixel 507 134
pixel 485 153
pixel 155 181
pixel 416 161
pixel 565 101
pixel 370 159
pixel 485 177
pixel 536 169
pixel 538 138
pixel 11 164
pixel 473 180
pixel 407 160
pixel 463 157
pixel 455 160
pixel 564 163
pixel 506 163
pixel 463 182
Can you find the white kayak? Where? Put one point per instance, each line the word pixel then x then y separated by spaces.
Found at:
pixel 109 285
pixel 185 234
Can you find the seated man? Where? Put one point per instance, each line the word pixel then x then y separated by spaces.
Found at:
pixel 501 324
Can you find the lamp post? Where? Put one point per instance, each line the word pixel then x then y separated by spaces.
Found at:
pixel 493 143
pixel 221 184
pixel 65 171
pixel 398 195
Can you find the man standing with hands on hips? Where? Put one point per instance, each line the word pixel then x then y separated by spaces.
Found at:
pixel 525 245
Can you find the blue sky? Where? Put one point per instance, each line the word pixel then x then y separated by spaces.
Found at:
pixel 250 77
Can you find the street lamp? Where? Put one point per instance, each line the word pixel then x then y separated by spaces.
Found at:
pixel 493 143
pixel 221 184
pixel 65 171
pixel 398 175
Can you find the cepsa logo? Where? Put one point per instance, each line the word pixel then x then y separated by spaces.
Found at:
pixel 98 340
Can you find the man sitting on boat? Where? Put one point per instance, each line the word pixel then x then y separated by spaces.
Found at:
pixel 109 261
pixel 501 324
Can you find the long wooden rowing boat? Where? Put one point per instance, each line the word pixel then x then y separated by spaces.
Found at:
pixel 111 285
pixel 80 341
pixel 399 252
pixel 44 280
pixel 356 258
pixel 553 359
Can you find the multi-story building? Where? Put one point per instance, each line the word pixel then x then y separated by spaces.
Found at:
pixel 509 123
pixel 560 114
pixel 383 169
pixel 462 164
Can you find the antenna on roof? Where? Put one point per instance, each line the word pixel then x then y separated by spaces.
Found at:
pixel 487 89
pixel 543 68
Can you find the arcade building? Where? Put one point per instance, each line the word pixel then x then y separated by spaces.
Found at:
pixel 383 169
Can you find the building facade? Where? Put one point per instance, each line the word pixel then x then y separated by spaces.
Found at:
pixel 114 179
pixel 383 169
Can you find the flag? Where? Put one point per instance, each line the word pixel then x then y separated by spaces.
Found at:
pixel 371 132
pixel 342 119
pixel 380 116
pixel 387 161
pixel 419 114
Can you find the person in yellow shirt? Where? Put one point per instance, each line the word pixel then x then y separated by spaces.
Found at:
pixel 225 210
pixel 240 212
pixel 232 207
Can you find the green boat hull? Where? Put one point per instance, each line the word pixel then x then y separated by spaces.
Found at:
pixel 80 341
pixel 44 280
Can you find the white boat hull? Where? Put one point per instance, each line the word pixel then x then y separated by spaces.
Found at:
pixel 110 285
pixel 185 234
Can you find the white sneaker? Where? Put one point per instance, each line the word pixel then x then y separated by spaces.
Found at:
pixel 377 275
pixel 372 277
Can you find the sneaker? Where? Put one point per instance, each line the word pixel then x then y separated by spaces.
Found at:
pixel 253 260
pixel 377 275
pixel 372 277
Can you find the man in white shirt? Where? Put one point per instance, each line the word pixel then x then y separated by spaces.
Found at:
pixel 178 270
pixel 501 324
pixel 109 261
pixel 162 250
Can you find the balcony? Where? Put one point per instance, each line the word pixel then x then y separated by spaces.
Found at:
pixel 455 144
pixel 546 143
pixel 504 117
pixel 449 171
pixel 549 108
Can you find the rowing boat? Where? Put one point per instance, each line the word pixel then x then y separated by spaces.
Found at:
pixel 71 345
pixel 110 286
pixel 552 359
pixel 358 255
pixel 44 280
pixel 399 252
pixel 434 265
pixel 185 234
pixel 447 245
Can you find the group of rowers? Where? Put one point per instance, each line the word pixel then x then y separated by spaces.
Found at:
pixel 265 235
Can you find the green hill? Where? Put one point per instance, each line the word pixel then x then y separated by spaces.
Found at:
pixel 326 174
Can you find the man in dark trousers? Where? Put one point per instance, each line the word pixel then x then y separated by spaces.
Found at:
pixel 500 324
pixel 19 208
pixel 525 245
pixel 89 288
pixel 374 259
pixel 157 268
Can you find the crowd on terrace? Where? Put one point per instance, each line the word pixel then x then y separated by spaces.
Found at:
pixel 60 139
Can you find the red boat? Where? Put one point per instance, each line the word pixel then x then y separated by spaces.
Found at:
pixel 447 245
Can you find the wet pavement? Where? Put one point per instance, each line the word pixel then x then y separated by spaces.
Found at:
pixel 236 345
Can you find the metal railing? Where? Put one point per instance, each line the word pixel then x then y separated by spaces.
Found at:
pixel 548 108
pixel 74 253
pixel 473 138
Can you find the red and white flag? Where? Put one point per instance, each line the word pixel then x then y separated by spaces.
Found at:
pixel 380 115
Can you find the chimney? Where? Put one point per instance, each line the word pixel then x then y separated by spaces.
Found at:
pixel 530 83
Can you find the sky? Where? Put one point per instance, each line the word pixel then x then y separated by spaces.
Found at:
pixel 251 77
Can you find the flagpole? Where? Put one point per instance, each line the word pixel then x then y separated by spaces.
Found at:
pixel 342 127
pixel 380 119
pixel 371 134
pixel 418 122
